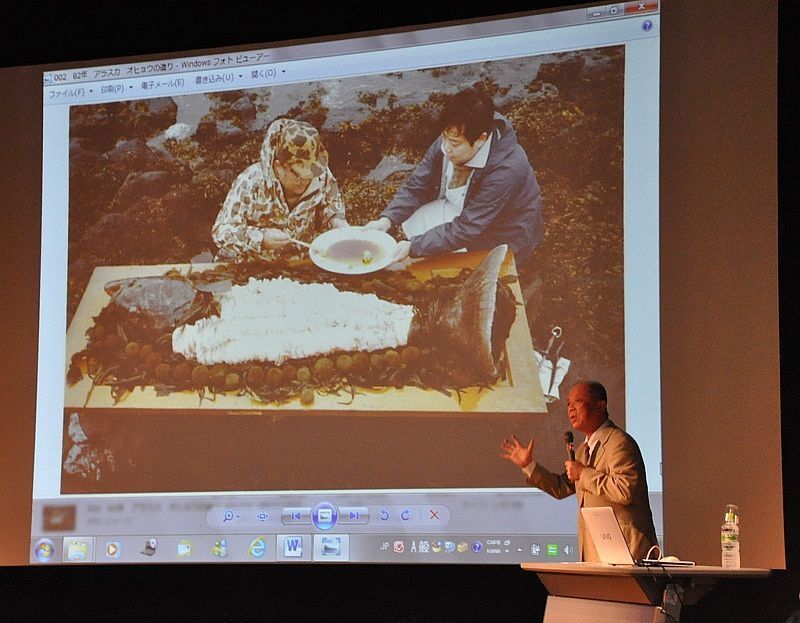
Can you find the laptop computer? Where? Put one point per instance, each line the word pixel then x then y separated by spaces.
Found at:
pixel 603 527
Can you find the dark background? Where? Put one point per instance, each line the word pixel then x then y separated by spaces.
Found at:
pixel 61 31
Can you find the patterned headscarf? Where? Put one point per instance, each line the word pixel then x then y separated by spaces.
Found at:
pixel 256 199
pixel 295 143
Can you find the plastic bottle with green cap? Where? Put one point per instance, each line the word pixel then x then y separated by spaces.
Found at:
pixel 730 538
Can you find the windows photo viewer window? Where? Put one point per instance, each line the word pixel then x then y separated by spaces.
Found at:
pixel 142 455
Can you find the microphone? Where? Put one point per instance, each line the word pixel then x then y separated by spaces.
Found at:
pixel 568 439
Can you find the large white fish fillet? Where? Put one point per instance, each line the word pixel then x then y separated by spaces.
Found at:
pixel 280 319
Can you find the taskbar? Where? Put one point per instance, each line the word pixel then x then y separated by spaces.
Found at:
pixel 303 547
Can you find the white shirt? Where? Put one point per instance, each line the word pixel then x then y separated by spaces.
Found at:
pixel 450 202
pixel 478 161
pixel 594 438
pixel 455 196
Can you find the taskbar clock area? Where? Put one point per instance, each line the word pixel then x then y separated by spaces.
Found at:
pixel 298 547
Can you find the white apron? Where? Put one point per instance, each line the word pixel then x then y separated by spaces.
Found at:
pixel 442 210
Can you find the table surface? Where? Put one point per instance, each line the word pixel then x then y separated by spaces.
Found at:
pixel 521 392
pixel 594 568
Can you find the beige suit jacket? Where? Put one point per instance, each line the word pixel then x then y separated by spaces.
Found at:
pixel 617 480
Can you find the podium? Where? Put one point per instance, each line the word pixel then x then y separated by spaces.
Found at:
pixel 598 593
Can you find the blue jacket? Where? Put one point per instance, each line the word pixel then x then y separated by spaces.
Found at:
pixel 503 203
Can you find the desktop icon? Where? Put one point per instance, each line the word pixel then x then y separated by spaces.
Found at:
pixel 76 550
pixel 113 549
pixel 258 547
pixel 462 547
pixel 424 547
pixel 58 518
pixel 293 546
pixel 552 549
pixel 220 549
pixel 436 546
pixel 185 548
pixel 399 547
pixel 536 549
pixel 331 546
pixel 150 546
pixel 43 550
pixel 477 546
pixel 449 547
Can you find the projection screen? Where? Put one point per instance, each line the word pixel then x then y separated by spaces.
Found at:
pixel 232 370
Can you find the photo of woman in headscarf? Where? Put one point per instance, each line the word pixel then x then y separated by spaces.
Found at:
pixel 289 194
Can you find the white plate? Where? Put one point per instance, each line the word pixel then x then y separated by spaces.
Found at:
pixel 322 243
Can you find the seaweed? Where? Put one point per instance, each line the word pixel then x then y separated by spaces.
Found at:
pixel 125 351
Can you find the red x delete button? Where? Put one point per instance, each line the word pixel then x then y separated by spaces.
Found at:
pixel 641 7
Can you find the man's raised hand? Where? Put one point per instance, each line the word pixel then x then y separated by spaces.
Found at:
pixel 514 451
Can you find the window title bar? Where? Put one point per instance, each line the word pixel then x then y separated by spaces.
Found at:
pixel 354 44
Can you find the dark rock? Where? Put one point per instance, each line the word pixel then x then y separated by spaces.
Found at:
pixel 210 187
pixel 206 130
pixel 81 143
pixel 229 134
pixel 201 178
pixel 388 166
pixel 181 212
pixel 153 116
pixel 132 154
pixel 79 265
pixel 163 109
pixel 138 185
pixel 106 124
pixel 244 109
pixel 178 205
pixel 104 234
pixel 100 125
pixel 83 155
pixel 228 96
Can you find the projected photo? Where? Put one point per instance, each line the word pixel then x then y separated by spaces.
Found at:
pixel 340 246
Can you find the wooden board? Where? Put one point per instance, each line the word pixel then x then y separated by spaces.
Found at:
pixel 521 392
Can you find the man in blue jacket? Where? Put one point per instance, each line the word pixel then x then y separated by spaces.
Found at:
pixel 482 175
